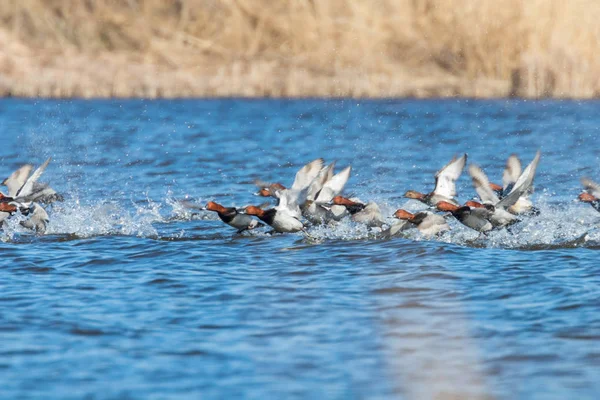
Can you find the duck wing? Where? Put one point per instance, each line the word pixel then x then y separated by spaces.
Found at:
pixel 324 175
pixel 482 185
pixel 523 185
pixel 334 186
pixel 43 193
pixel 17 179
pixel 28 186
pixel 445 179
pixel 512 171
pixel 307 174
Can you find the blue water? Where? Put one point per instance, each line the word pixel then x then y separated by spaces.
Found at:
pixel 129 295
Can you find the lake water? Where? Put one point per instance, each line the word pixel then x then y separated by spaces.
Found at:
pixel 129 295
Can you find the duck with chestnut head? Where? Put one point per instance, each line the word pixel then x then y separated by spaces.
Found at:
pixel 445 184
pixel 364 213
pixel 232 217
pixel 281 220
pixel 502 208
pixel 476 218
pixel 24 193
pixel 591 195
pixel 428 223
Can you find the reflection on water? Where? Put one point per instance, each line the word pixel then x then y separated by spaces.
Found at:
pixel 130 289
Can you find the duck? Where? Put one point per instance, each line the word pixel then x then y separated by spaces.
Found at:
pixel 38 192
pixel 445 184
pixel 290 200
pixel 317 208
pixel 232 217
pixel 322 177
pixel 364 213
pixel 23 198
pixel 475 218
pixel 591 194
pixel 281 220
pixel 304 177
pixel 36 217
pixel 427 222
pixel 500 209
pixel 511 174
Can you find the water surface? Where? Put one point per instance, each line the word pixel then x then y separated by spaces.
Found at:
pixel 131 296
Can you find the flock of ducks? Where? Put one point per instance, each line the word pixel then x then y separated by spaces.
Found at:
pixel 26 197
pixel 315 198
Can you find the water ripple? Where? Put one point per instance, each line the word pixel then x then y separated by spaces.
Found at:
pixel 130 295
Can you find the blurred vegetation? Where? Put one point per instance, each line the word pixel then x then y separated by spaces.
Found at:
pixel 360 48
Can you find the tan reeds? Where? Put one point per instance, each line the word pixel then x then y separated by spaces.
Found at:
pixel 360 48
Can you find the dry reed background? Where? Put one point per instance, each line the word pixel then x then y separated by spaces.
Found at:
pixel 360 48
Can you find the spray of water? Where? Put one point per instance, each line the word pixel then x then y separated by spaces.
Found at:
pixel 557 226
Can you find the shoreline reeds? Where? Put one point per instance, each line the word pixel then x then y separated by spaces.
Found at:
pixel 300 48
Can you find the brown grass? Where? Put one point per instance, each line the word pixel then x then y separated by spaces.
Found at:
pixel 360 48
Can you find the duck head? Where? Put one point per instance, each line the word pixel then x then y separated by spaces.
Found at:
pixel 474 204
pixel 271 190
pixel 411 194
pixel 253 210
pixel 445 206
pixel 585 197
pixel 496 188
pixel 7 207
pixel 5 199
pixel 212 206
pixel 342 201
pixel 404 215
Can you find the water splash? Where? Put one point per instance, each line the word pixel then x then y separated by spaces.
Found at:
pixel 104 218
pixel 557 226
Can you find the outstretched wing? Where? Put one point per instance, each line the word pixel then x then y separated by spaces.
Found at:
pixel 591 187
pixel 27 188
pixel 445 179
pixel 307 174
pixel 17 179
pixel 482 185
pixel 324 175
pixel 523 185
pixel 43 193
pixel 334 186
pixel 511 172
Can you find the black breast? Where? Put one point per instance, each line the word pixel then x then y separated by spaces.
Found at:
pixel 353 209
pixel 228 215
pixel 269 216
pixel 462 212
pixel 418 218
